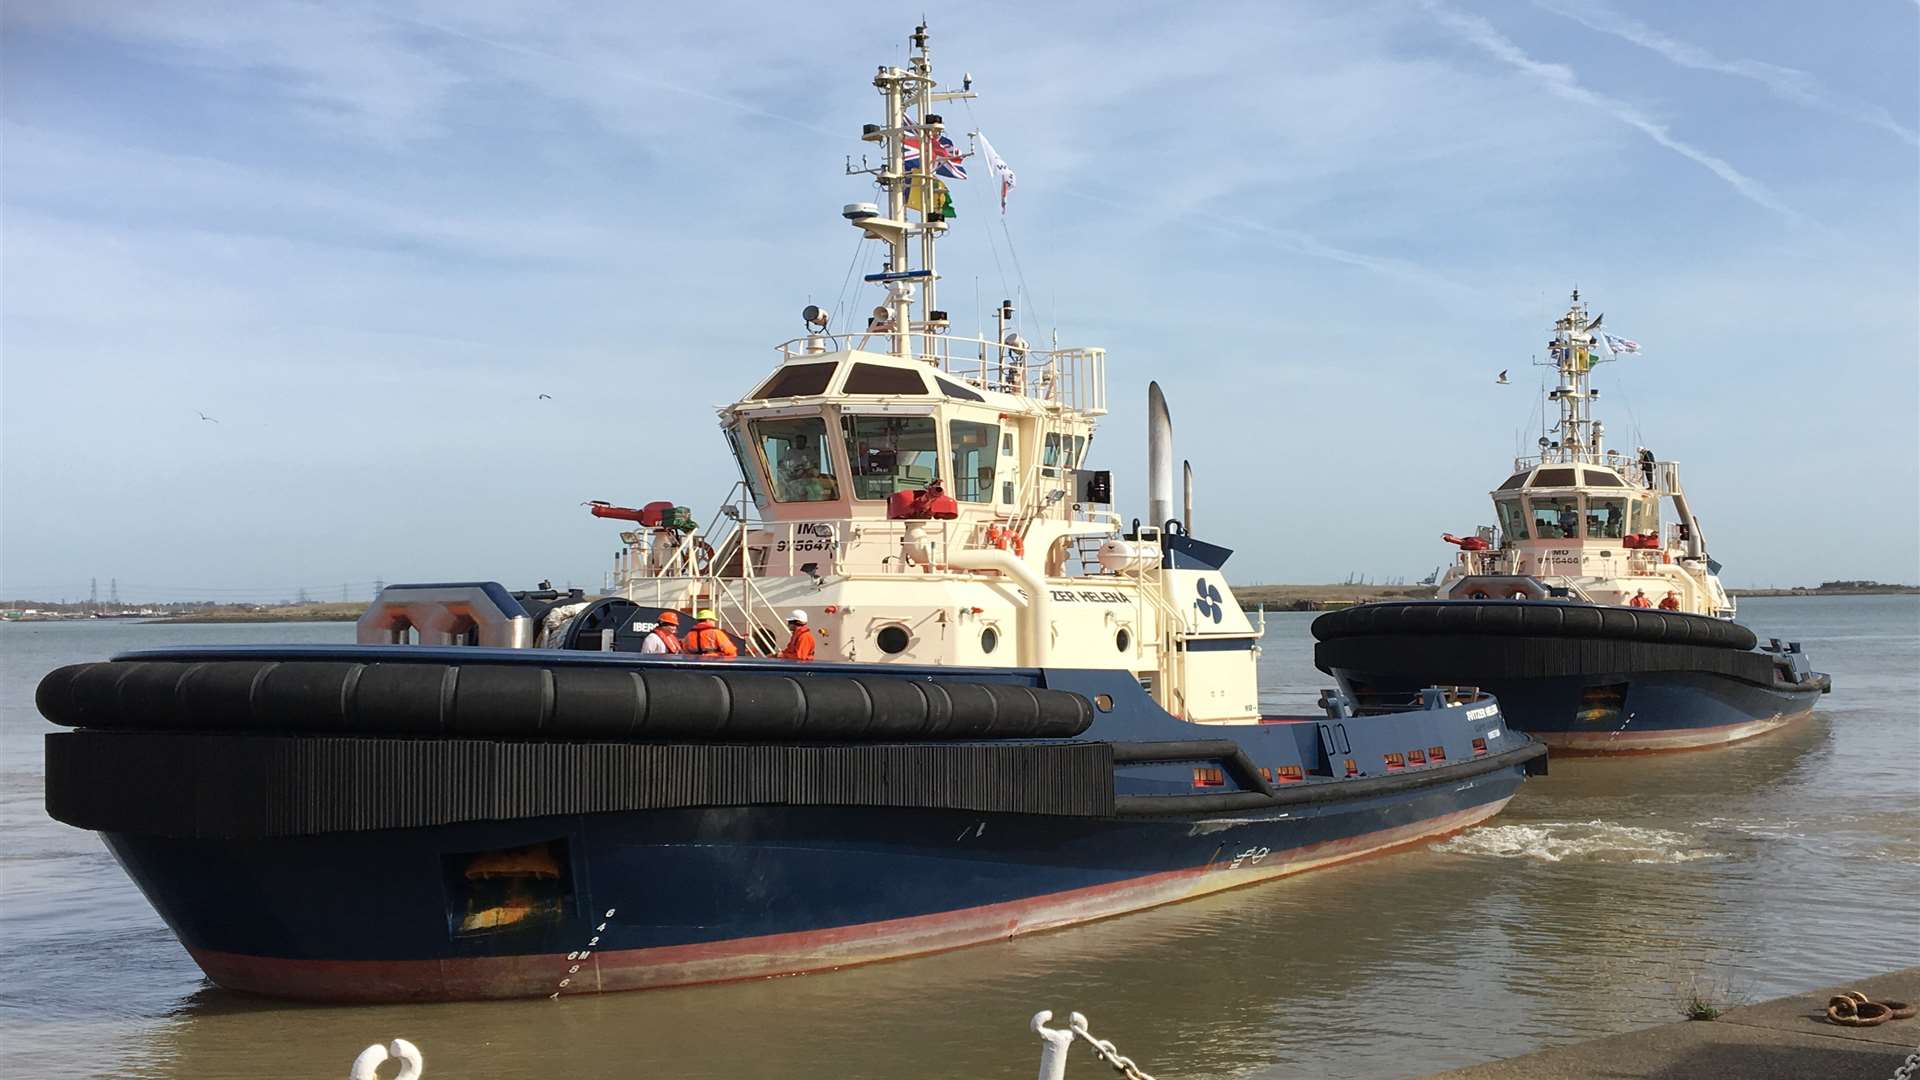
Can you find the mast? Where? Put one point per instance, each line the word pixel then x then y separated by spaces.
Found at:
pixel 1574 356
pixel 932 222
pixel 892 180
pixel 909 92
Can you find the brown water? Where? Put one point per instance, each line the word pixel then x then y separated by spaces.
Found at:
pixel 1603 893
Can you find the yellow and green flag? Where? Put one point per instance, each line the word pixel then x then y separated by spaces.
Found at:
pixel 929 196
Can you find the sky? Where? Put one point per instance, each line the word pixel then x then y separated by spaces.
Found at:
pixel 364 238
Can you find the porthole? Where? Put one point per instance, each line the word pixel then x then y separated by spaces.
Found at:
pixel 1103 702
pixel 893 640
pixel 989 639
pixel 1123 640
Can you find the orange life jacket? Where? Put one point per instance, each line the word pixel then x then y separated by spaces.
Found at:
pixel 800 647
pixel 1671 603
pixel 668 639
pixel 705 639
pixel 1639 601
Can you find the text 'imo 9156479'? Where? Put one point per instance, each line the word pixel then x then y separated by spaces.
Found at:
pixel 1018 714
pixel 1599 628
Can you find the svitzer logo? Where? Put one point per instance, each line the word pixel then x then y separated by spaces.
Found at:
pixel 1483 712
pixel 1209 602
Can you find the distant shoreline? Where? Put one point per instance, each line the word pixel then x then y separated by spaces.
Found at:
pixel 1329 597
pixel 255 617
pixel 1873 590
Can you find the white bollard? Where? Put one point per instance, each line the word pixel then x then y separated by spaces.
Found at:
pixel 1054 1046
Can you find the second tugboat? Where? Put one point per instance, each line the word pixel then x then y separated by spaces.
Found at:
pixel 1598 631
pixel 1020 714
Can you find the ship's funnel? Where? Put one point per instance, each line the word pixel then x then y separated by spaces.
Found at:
pixel 1159 458
pixel 1186 497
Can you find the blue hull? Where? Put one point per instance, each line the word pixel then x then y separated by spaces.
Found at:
pixel 1586 678
pixel 1626 712
pixel 846 862
pixel 680 897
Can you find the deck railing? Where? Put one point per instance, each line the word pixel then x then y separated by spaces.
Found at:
pixel 1072 378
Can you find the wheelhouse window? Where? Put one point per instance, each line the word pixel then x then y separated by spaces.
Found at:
pixel 1553 478
pixel 1646 517
pixel 1513 523
pixel 797 458
pixel 880 379
pixel 891 453
pixel 1606 518
pixel 975 450
pixel 955 390
pixel 797 380
pixel 1061 451
pixel 1556 518
pixel 748 473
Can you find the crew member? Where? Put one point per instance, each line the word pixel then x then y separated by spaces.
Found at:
pixel 800 645
pixel 665 635
pixel 1670 602
pixel 1640 599
pixel 707 640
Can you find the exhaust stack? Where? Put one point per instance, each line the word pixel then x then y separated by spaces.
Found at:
pixel 1186 497
pixel 1159 458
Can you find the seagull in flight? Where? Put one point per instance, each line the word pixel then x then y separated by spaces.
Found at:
pixel 546 397
pixel 1503 380
pixel 207 418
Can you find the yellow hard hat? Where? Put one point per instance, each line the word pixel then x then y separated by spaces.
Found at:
pixel 704 613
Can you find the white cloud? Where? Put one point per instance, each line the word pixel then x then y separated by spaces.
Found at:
pixel 1790 84
pixel 1559 79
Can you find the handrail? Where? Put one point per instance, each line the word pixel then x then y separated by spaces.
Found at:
pixel 1169 683
pixel 1665 480
pixel 1072 377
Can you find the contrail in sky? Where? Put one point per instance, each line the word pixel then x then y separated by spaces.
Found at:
pixel 1559 79
pixel 1788 83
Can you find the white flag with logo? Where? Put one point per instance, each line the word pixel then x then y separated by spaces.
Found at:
pixel 1618 345
pixel 998 166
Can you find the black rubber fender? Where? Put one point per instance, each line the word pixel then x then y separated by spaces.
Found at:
pixel 534 701
pixel 1530 618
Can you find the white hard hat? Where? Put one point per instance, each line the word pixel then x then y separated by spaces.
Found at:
pixel 796 615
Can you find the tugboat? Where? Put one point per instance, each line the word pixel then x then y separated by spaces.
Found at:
pixel 1598 630
pixel 1023 712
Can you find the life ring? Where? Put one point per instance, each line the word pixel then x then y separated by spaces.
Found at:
pixel 700 558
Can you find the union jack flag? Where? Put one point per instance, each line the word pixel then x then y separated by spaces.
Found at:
pixel 946 157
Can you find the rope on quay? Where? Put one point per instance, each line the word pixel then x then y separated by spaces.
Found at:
pixel 1055 1042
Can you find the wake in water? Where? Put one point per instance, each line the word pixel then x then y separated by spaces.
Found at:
pixel 1579 841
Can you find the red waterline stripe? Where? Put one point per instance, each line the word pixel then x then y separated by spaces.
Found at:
pixel 1656 741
